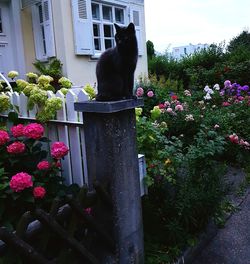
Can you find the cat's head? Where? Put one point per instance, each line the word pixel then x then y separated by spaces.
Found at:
pixel 125 36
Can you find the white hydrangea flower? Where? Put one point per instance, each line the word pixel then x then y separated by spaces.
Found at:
pixel 216 87
pixel 207 96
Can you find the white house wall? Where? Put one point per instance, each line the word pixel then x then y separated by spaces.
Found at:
pixel 79 69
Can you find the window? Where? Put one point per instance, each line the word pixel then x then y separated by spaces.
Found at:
pixel 103 17
pixel 93 24
pixel 43 30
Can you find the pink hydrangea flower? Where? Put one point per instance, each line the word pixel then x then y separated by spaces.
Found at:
pixel 20 181
pixel 59 150
pixel 39 192
pixel 139 92
pixel 17 131
pixel 4 137
pixel 150 94
pixel 241 98
pixel 179 107
pixel 43 165
pixel 16 148
pixel 234 138
pixel 33 130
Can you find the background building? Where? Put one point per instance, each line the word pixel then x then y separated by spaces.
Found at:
pixel 182 51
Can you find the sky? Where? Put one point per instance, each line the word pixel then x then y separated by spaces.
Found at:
pixel 173 23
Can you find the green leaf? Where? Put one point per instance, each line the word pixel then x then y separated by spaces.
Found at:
pixel 13 117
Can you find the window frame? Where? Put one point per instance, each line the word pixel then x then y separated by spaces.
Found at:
pixel 102 22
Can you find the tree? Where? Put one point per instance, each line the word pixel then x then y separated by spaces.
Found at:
pixel 150 49
pixel 241 41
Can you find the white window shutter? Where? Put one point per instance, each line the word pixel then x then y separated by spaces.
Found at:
pixel 48 29
pixel 46 14
pixel 37 33
pixel 135 17
pixel 82 25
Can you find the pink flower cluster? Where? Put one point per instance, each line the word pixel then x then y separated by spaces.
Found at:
pixel 172 106
pixel 235 140
pixel 21 181
pixel 43 165
pixel 17 131
pixel 59 150
pixel 39 192
pixel 4 137
pixel 33 130
pixel 16 148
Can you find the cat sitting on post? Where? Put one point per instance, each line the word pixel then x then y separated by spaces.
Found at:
pixel 116 66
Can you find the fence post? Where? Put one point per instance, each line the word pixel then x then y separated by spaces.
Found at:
pixel 112 160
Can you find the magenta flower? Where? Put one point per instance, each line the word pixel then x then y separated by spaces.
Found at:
pixel 150 94
pixel 20 181
pixel 139 92
pixel 39 192
pixel 59 150
pixel 33 130
pixel 88 210
pixel 17 131
pixel 43 165
pixel 16 148
pixel 4 137
pixel 234 138
pixel 226 104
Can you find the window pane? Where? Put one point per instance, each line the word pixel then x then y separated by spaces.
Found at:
pixel 108 31
pixel 40 13
pixel 109 43
pixel 1 26
pixel 96 30
pixel 119 15
pixel 97 43
pixel 44 42
pixel 136 18
pixel 95 11
pixel 107 13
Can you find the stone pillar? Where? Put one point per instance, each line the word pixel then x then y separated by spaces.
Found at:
pixel 112 159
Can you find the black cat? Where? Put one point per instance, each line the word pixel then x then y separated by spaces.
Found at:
pixel 116 66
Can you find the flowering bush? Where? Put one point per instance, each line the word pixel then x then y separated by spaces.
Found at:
pixel 29 175
pixel 187 137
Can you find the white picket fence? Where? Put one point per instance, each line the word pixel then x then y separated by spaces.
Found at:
pixel 68 127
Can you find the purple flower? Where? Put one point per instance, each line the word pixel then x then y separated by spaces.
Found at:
pixel 245 88
pixel 227 83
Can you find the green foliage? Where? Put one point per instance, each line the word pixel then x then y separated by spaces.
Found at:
pixel 150 49
pixel 207 66
pixel 52 68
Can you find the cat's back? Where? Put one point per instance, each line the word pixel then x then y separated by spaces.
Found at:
pixel 107 60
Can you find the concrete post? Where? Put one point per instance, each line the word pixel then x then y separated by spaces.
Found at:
pixel 112 160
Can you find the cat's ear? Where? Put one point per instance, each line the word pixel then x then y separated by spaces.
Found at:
pixel 117 28
pixel 131 27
